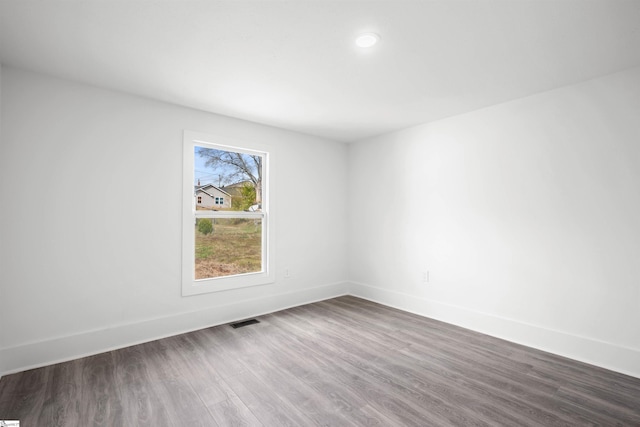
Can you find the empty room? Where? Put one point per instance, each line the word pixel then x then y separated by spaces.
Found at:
pixel 315 212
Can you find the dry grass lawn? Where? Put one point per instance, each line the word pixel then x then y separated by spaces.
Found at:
pixel 234 247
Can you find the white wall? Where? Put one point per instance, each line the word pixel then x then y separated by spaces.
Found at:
pixel 93 262
pixel 525 214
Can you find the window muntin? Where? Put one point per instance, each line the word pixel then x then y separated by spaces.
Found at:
pixel 226 240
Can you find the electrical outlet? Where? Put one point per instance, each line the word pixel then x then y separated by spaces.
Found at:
pixel 287 273
pixel 425 276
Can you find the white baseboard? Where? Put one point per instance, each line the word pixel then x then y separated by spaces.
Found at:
pixel 603 354
pixel 42 353
pixel 61 349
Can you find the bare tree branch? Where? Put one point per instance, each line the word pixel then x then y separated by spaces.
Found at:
pixel 234 166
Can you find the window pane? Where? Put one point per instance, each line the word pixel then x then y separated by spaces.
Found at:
pixel 227 180
pixel 227 246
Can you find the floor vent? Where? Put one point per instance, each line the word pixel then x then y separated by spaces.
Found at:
pixel 244 323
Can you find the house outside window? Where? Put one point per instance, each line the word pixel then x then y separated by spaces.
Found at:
pixel 212 197
pixel 226 233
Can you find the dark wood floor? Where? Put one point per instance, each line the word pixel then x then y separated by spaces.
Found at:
pixel 340 362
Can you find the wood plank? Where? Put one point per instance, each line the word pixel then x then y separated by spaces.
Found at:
pixel 141 404
pixel 63 392
pixel 232 411
pixel 23 395
pixel 261 400
pixel 101 402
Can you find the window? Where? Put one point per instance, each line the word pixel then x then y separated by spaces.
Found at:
pixel 226 242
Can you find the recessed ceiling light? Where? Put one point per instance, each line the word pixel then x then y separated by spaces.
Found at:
pixel 367 39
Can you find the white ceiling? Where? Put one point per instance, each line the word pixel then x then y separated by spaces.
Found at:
pixel 293 64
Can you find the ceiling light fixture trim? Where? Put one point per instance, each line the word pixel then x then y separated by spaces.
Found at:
pixel 367 40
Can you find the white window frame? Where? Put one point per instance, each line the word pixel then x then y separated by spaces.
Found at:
pixel 191 286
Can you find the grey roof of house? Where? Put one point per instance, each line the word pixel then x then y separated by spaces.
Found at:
pixel 202 188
